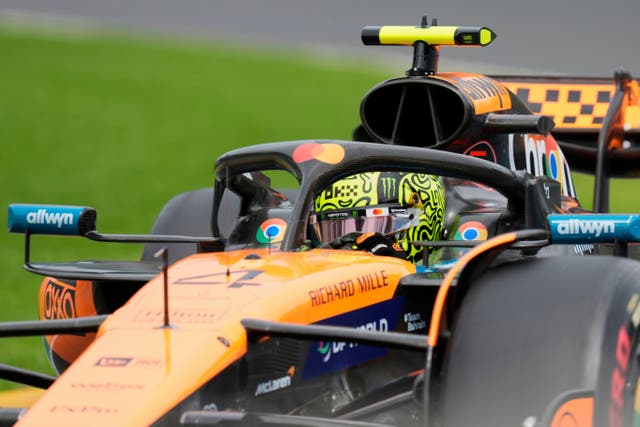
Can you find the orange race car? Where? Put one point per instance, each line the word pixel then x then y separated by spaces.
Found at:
pixel 436 271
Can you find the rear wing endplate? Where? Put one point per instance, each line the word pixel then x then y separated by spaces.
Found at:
pixel 597 123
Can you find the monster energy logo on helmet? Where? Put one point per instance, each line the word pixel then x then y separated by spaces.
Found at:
pixel 389 187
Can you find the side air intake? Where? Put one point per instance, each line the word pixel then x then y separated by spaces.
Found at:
pixel 415 112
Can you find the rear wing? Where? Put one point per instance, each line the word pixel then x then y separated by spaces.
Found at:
pixel 597 123
pixel 579 108
pixel 578 105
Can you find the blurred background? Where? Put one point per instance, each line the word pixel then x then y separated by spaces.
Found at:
pixel 122 104
pixel 579 37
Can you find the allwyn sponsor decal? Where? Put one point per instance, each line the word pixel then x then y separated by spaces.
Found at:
pixel 586 228
pixel 595 228
pixel 50 219
pixel 41 217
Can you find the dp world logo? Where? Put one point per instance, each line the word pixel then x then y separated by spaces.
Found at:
pixel 325 350
pixel 329 348
pixel 328 356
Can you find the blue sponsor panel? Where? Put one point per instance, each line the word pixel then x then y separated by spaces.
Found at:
pixel 594 228
pixel 330 356
pixel 51 219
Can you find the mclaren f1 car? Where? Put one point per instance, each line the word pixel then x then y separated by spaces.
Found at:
pixel 250 305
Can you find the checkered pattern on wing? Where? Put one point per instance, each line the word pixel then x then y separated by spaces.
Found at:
pixel 572 106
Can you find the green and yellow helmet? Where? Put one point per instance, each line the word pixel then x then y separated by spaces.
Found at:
pixel 408 206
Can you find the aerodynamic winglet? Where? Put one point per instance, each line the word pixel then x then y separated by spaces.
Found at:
pixel 51 219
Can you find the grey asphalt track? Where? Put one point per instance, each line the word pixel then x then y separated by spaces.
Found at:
pixel 578 37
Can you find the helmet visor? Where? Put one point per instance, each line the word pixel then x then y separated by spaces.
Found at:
pixel 381 219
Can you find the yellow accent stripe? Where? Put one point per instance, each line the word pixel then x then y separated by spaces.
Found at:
pixel 406 36
pixel 486 36
pixel 20 398
pixel 636 405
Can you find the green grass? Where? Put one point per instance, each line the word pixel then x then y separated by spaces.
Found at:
pixel 123 123
pixel 624 195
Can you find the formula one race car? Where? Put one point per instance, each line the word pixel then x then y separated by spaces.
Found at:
pixel 437 270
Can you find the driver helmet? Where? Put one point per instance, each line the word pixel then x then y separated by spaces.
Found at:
pixel 404 205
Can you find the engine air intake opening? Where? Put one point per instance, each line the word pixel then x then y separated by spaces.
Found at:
pixel 420 113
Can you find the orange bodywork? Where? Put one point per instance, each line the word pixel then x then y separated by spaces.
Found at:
pixel 136 370
pixel 67 300
pixel 574 413
pixel 486 94
pixel 579 106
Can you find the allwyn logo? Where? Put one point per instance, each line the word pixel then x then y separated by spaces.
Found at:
pixel 594 228
pixel 44 217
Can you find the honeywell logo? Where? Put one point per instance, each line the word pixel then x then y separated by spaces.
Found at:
pixel 595 228
pixel 44 217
